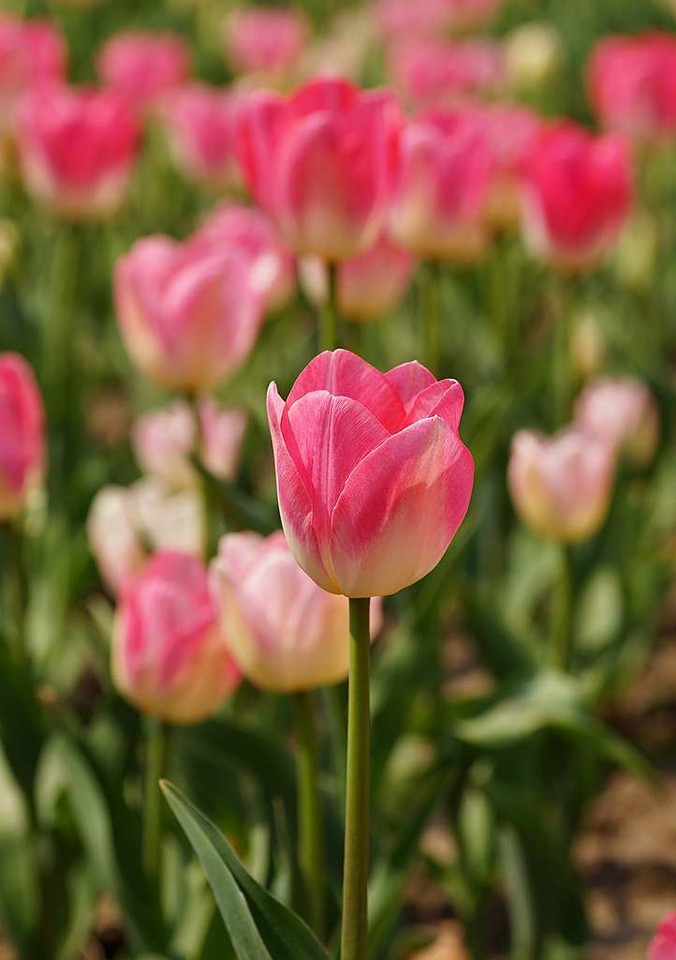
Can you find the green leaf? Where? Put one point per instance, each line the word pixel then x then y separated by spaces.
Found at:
pixel 259 926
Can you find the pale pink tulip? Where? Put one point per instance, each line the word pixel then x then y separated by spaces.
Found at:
pixel 577 196
pixel 372 478
pixel 170 657
pixel 200 124
pixel 440 204
pixel 622 411
pixel 32 52
pixel 663 945
pixel 401 19
pixel 436 73
pixel 285 632
pixel 144 68
pixel 265 41
pixel 22 434
pixel 253 235
pixel 77 149
pixel 369 286
pixel 561 485
pixel 189 313
pixel 322 163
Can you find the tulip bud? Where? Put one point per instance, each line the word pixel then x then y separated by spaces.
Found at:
pixel 32 52
pixel 77 149
pixel 200 125
pixel 663 944
pixel 561 485
pixel 170 658
pixel 144 68
pixel 189 314
pixel 22 440
pixel 621 411
pixel 637 252
pixel 285 632
pixel 268 42
pixel 535 55
pixel 587 343
pixel 373 480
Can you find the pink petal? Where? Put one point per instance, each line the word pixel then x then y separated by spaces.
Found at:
pixel 409 379
pixel 400 509
pixel 443 399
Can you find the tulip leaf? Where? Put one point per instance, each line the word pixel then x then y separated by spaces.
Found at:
pixel 260 928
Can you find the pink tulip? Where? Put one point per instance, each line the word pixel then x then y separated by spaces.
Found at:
pixel 440 203
pixel 431 72
pixel 22 434
pixel 114 538
pixel 578 195
pixel 170 657
pixel 403 19
pixel 368 286
pixel 322 163
pixel 189 313
pixel 32 52
pixel 77 149
pixel 164 440
pixel 144 68
pixel 372 478
pixel 622 411
pixel 561 485
pixel 200 124
pixel 285 632
pixel 663 945
pixel 633 84
pixel 265 41
pixel 253 234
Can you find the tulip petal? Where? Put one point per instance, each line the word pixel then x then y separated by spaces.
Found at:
pixel 409 379
pixel 400 509
pixel 444 399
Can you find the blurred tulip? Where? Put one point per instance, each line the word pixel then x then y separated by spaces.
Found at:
pixel 431 72
pixel 369 286
pixel 373 480
pixel 267 42
pixel 32 52
pixel 632 84
pixel 22 434
pixel 189 314
pixel 663 944
pixel 285 632
pixel 561 485
pixel 621 411
pixel 587 343
pixel 200 124
pixel 344 49
pixel 322 163
pixel 144 68
pixel 440 203
pixel 77 148
pixel 402 19
pixel 170 658
pixel 254 236
pixel 163 441
pixel 578 196
pixel 637 253
pixel 535 56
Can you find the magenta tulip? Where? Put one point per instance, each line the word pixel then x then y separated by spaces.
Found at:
pixel 22 439
pixel 663 945
pixel 372 478
pixel 622 411
pixel 144 68
pixel 200 125
pixel 265 41
pixel 32 52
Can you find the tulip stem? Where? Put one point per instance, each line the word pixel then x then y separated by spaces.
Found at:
pixel 210 534
pixel 561 353
pixel 356 864
pixel 431 319
pixel 16 589
pixel 562 610
pixel 156 761
pixel 310 814
pixel 328 331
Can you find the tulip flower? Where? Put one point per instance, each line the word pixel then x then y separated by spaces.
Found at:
pixel 32 52
pixel 440 203
pixel 663 944
pixel 435 73
pixel 263 41
pixel 632 84
pixel 561 485
pixel 189 314
pixel 77 149
pixel 170 657
pixel 163 441
pixel 144 68
pixel 534 55
pixel 622 411
pixel 321 163
pixel 401 19
pixel 22 434
pixel 577 196
pixel 369 286
pixel 254 235
pixel 200 124
pixel 285 632
pixel 372 478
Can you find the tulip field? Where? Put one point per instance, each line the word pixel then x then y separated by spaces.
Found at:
pixel 338 480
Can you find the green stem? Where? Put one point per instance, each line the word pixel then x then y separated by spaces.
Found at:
pixel 15 589
pixel 431 318
pixel 208 514
pixel 310 818
pixel 156 761
pixel 562 611
pixel 356 864
pixel 328 329
pixel 561 353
